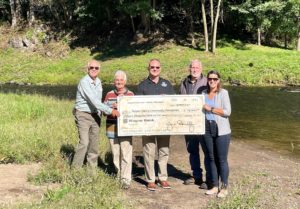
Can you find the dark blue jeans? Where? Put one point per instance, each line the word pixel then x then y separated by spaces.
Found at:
pixel 192 144
pixel 217 148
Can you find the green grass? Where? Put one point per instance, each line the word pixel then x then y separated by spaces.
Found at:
pixel 250 64
pixel 34 127
pixel 37 128
pixel 244 194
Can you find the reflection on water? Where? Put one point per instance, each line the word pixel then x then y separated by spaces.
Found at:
pixel 269 116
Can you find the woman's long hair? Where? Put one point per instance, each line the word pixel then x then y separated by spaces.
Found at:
pixel 219 86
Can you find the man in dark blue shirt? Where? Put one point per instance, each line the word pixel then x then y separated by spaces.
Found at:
pixel 155 85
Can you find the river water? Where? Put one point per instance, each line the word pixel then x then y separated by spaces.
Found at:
pixel 267 116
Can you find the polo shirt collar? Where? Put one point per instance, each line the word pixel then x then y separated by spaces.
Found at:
pixel 150 81
pixel 95 82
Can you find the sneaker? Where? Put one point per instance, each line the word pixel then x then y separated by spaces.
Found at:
pixel 192 180
pixel 203 185
pixel 212 191
pixel 223 193
pixel 163 184
pixel 151 186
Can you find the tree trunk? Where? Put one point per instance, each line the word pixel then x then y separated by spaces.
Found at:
pixel 154 4
pixel 30 14
pixel 215 28
pixel 298 41
pixel 211 17
pixel 108 14
pixel 285 41
pixel 15 10
pixel 258 37
pixel 211 13
pixel 145 22
pixel 67 14
pixel 204 25
pixel 145 19
pixel 189 15
pixel 132 24
pixel 55 14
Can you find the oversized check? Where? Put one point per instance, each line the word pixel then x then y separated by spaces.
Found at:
pixel 161 115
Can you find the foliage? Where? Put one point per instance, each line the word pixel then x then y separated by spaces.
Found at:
pixel 275 18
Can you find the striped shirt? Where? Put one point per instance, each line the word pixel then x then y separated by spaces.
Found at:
pixel 111 122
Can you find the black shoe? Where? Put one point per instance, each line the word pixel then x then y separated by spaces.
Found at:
pixel 209 185
pixel 192 180
pixel 203 185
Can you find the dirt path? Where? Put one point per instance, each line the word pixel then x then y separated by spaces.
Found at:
pixel 14 186
pixel 274 178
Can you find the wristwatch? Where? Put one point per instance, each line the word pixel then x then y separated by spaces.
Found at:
pixel 211 109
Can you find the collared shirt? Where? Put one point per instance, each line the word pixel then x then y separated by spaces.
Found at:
pixel 186 86
pixel 111 122
pixel 190 85
pixel 148 87
pixel 89 96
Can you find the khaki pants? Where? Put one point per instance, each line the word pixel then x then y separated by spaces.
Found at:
pixel 149 147
pixel 88 129
pixel 122 157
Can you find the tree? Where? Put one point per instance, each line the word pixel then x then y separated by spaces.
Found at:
pixel 258 14
pixel 292 11
pixel 15 10
pixel 204 25
pixel 145 10
pixel 215 26
pixel 214 19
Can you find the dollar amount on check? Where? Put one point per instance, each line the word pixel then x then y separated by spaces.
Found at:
pixel 161 115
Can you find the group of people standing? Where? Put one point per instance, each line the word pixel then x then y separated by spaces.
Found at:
pixel 214 143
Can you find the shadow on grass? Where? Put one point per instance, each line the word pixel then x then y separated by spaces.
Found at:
pixel 138 170
pixel 57 91
pixel 106 164
pixel 227 42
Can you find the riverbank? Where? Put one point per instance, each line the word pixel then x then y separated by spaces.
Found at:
pixel 42 130
pixel 238 63
pixel 259 178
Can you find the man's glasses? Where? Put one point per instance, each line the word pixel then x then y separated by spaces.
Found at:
pixel 92 68
pixel 153 67
pixel 212 79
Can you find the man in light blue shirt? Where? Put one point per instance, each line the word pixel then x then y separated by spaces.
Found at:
pixel 87 112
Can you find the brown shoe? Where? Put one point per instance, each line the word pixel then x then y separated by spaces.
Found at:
pixel 163 184
pixel 151 186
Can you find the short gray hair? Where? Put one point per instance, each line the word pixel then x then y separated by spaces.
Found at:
pixel 195 60
pixel 121 73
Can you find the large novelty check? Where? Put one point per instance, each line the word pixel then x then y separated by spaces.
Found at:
pixel 161 115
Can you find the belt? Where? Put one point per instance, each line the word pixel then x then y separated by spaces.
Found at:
pixel 91 113
pixel 211 121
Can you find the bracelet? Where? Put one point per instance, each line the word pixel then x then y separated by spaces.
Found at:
pixel 211 109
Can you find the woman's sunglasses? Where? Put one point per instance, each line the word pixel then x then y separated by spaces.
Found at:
pixel 214 79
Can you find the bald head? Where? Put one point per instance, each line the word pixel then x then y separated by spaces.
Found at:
pixel 93 63
pixel 93 69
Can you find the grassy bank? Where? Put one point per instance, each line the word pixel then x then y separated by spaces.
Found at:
pixel 248 64
pixel 36 128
